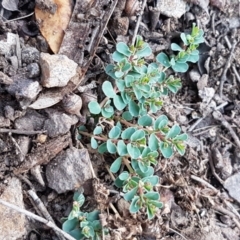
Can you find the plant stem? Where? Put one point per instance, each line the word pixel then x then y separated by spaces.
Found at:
pixel 91 135
pixel 126 162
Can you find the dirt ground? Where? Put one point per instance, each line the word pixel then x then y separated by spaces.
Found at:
pixel 200 190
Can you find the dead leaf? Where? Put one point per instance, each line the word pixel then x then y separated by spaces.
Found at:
pixel 52 26
pixel 47 99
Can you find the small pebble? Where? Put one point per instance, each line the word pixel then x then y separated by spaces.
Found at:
pixel 30 55
pixel 33 70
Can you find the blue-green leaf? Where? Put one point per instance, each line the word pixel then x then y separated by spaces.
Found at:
pixel 70 225
pixel 163 59
pixel 119 103
pixel 92 216
pixel 161 119
pixel 176 47
pixel 114 133
pixel 118 57
pixel 151 179
pixel 145 120
pixel 111 147
pixel 129 195
pixel 124 176
pixel 135 205
pixel 166 149
pixel 108 89
pixel 122 148
pixel 184 39
pixel 102 148
pixel 94 143
pixel 94 107
pixel 123 49
pixel 116 165
pixel 180 67
pixel 182 137
pixel 127 116
pixel 153 142
pixel 133 151
pixel 145 52
pixel 97 130
pixel 127 133
pixel 133 108
pixel 137 135
pixel 173 132
pixel 152 195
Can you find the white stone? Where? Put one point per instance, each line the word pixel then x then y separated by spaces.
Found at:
pixel 12 223
pixel 56 69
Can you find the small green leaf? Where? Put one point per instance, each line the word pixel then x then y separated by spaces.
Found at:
pixel 153 142
pixel 118 57
pixel 133 151
pixel 166 149
pixel 108 112
pixel 94 107
pixel 145 120
pixel 150 212
pixel 176 47
pixel 135 205
pixel 122 148
pixel 97 130
pixel 116 165
pixel 160 119
pixel 102 148
pixel 173 132
pixel 151 179
pixel 92 216
pixel 133 108
pixel 182 137
pixel 124 176
pixel 180 67
pixel 94 143
pixel 127 116
pixel 180 146
pixel 108 89
pixel 163 59
pixel 184 39
pixel 123 49
pixel 145 52
pixel 111 147
pixel 79 197
pixel 152 195
pixel 114 133
pixel 119 74
pixel 129 195
pixel 127 133
pixel 70 225
pixel 137 135
pixel 119 103
pixel 120 84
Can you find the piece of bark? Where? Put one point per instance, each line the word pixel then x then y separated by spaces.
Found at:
pixel 44 153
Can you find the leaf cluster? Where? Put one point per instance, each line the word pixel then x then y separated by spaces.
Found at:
pixel 82 225
pixel 133 135
pixel 187 53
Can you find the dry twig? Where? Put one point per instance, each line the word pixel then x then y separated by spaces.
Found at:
pixel 36 217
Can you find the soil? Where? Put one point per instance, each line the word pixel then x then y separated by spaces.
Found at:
pixel 199 204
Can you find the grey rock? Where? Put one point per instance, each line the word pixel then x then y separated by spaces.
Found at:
pixel 69 170
pixel 31 121
pixel 232 185
pixel 59 123
pixel 9 112
pixel 30 55
pixel 25 90
pixel 12 225
pixel 33 70
pixel 56 69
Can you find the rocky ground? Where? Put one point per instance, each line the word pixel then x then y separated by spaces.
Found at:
pixel 48 76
